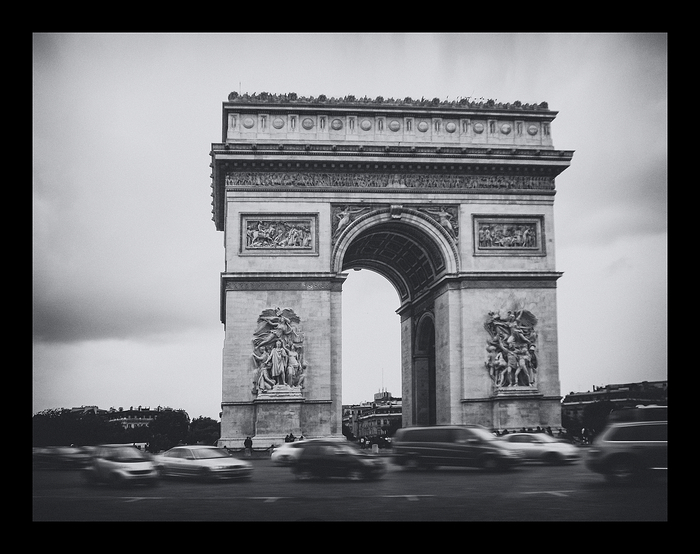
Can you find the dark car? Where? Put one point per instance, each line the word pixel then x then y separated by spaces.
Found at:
pixel 624 452
pixel 452 445
pixel 326 459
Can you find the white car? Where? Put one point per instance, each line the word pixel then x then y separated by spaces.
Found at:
pixel 121 464
pixel 203 462
pixel 286 454
pixel 541 447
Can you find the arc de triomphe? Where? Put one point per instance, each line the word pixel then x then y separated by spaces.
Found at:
pixel 452 202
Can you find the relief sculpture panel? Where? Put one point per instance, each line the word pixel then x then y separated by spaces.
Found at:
pixel 278 352
pixel 283 234
pixel 499 236
pixel 512 348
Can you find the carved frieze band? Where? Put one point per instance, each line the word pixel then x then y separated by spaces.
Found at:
pixel 446 216
pixel 387 180
pixel 303 285
pixel 508 235
pixel 283 234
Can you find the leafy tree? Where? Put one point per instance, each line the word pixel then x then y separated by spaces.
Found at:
pixel 203 430
pixel 91 429
pixel 50 428
pixel 168 429
pixel 61 427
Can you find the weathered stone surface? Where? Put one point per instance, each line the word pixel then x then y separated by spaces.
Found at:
pixel 452 204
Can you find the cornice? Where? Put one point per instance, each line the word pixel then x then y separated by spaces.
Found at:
pixel 266 99
pixel 457 141
pixel 411 153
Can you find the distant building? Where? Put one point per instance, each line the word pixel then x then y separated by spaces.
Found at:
pixel 85 410
pixel 135 417
pixel 612 397
pixel 379 418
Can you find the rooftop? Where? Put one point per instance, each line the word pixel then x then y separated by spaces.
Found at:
pixel 461 101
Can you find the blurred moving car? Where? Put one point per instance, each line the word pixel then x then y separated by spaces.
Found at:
pixel 652 412
pixel 61 456
pixel 541 447
pixel 452 445
pixel 286 453
pixel 624 452
pixel 203 462
pixel 121 464
pixel 329 458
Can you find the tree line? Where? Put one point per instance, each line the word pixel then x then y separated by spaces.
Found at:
pixel 61 427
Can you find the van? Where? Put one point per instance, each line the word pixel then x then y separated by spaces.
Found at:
pixel 451 445
pixel 626 452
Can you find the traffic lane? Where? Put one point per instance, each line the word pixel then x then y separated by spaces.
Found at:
pixel 530 493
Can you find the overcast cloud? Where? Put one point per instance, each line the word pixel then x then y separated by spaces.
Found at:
pixel 127 259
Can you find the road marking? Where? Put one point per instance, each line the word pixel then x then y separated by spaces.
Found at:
pixel 410 497
pixel 553 493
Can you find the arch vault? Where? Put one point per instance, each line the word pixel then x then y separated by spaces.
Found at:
pixel 451 202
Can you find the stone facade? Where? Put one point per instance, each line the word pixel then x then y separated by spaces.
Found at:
pixel 452 204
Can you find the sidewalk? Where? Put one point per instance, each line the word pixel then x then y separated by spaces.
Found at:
pixel 265 453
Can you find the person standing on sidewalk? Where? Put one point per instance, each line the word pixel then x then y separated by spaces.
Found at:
pixel 248 443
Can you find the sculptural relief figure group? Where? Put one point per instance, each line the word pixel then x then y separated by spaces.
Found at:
pixel 278 234
pixel 278 351
pixel 507 236
pixel 512 349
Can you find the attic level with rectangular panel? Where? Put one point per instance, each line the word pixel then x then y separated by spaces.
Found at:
pixel 269 118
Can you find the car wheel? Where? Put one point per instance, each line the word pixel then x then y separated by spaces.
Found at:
pixel 622 471
pixel 489 463
pixel 303 475
pixel 205 474
pixel 116 481
pixel 413 464
pixel 552 458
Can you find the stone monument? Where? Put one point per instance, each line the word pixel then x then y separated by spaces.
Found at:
pixel 451 201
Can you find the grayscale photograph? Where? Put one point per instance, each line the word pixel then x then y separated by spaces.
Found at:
pixel 349 276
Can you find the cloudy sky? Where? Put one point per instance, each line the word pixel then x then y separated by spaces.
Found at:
pixel 126 259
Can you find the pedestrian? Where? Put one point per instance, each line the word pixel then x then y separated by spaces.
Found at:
pixel 248 443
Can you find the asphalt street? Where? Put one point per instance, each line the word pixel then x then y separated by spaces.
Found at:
pixel 532 492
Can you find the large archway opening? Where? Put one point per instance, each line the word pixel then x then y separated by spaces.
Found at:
pixel 371 337
pixel 424 379
pixel 411 257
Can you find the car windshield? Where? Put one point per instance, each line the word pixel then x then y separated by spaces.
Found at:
pixel 348 448
pixel 125 454
pixel 483 434
pixel 207 453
